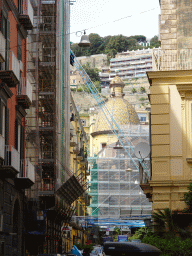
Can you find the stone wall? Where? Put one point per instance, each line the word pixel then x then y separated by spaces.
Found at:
pixel 176 34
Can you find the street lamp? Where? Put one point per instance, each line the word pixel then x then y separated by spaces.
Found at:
pixel 84 41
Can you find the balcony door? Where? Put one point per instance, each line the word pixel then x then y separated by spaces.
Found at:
pixel 20 6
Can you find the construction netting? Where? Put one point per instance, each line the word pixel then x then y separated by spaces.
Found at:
pixel 115 179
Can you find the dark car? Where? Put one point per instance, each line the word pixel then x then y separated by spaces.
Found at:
pixel 130 248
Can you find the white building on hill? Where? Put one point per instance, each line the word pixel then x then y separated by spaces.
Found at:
pixel 130 64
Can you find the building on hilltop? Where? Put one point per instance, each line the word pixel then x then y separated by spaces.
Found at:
pixel 114 174
pixel 130 64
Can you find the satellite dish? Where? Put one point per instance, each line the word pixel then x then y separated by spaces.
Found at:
pixel 142 150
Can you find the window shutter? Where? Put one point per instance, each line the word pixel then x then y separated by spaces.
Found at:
pixel 8 45
pixel 6 125
pixel 16 134
pixel 22 143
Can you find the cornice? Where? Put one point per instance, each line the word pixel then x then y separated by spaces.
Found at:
pixel 169 183
pixel 170 77
pixel 93 134
pixel 6 89
pixel 184 87
pixel 21 111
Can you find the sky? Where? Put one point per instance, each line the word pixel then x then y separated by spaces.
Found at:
pixel 100 16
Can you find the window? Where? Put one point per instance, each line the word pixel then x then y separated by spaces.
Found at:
pixel 19 46
pixel 19 138
pixel 3 121
pixel 20 6
pixel 3 25
pixel 83 121
pixel 142 117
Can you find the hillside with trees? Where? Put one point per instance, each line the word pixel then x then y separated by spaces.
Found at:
pixel 110 45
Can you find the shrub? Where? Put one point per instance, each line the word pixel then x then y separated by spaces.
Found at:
pixel 134 90
pixel 142 99
pixel 141 233
pixel 142 89
pixel 188 199
pixel 173 246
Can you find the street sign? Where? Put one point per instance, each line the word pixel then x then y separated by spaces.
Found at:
pixel 122 238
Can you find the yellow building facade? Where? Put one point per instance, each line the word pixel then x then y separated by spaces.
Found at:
pixel 79 166
pixel 171 137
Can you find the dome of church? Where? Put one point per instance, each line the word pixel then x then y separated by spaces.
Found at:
pixel 120 109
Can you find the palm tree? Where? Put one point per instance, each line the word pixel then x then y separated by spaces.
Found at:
pixel 163 221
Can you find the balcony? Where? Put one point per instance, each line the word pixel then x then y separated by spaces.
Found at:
pixel 2 47
pixel 74 141
pixel 26 16
pixel 26 178
pixel 2 148
pixel 10 73
pixel 47 25
pixel 24 93
pixel 87 198
pixel 47 187
pixel 11 164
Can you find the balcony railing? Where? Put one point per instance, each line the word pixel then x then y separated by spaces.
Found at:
pixel 25 88
pixel 2 147
pixel 2 47
pixel 14 65
pixel 12 158
pixel 48 24
pixel 27 170
pixel 10 69
pixel 48 184
pixel 26 15
pixel 165 60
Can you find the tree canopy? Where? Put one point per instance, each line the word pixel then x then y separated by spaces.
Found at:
pixel 154 42
pixel 110 45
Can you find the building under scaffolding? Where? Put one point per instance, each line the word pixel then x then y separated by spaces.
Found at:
pixel 115 175
pixel 56 186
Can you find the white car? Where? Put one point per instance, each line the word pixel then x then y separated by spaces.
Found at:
pixel 99 250
pixel 94 253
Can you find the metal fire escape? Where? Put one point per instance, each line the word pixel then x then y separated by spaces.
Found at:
pixel 56 187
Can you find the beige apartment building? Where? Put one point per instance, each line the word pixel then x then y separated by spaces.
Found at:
pixel 171 106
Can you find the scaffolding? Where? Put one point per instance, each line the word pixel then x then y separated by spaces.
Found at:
pixel 115 182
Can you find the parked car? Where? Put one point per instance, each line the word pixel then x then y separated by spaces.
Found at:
pixel 99 250
pixel 94 253
pixel 130 249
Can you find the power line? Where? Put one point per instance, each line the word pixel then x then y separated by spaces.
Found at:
pixel 115 20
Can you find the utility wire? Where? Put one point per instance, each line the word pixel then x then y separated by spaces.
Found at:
pixel 115 20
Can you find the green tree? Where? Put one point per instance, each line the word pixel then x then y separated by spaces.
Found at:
pixel 140 38
pixel 164 221
pixel 188 199
pixel 117 231
pixel 142 89
pixel 154 42
pixel 93 73
pixel 141 233
pixel 80 51
pixel 119 43
pixel 96 41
